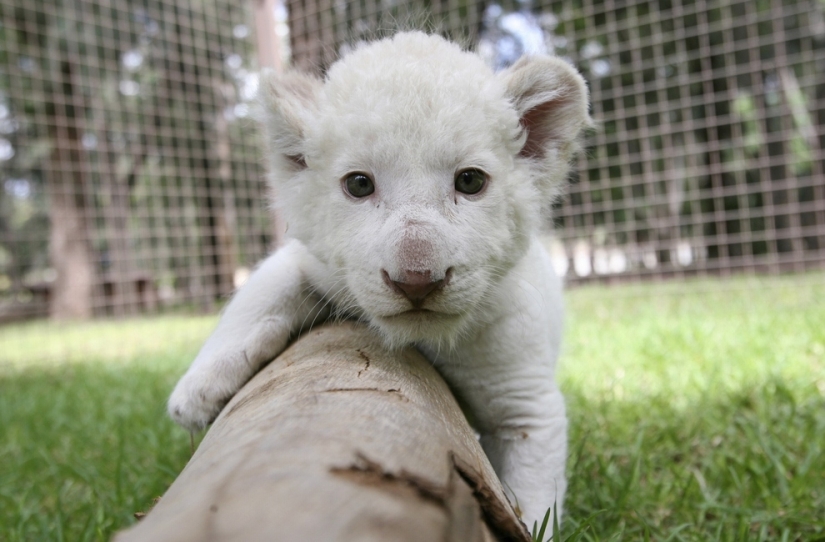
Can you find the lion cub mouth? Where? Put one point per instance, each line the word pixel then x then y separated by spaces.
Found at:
pixel 417 311
pixel 419 314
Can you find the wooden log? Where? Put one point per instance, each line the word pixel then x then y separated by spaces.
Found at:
pixel 337 439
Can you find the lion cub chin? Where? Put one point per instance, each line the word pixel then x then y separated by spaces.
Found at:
pixel 413 180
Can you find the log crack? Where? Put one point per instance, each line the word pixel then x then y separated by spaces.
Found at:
pixel 366 359
pixel 500 520
pixel 369 473
pixel 394 391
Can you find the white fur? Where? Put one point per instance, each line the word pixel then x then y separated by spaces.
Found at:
pixel 412 111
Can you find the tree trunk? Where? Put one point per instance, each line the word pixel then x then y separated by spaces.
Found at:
pixel 225 216
pixel 69 247
pixel 120 171
pixel 337 439
pixel 268 50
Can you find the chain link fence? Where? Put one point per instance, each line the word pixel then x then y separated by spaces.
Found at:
pixel 131 174
pixel 708 154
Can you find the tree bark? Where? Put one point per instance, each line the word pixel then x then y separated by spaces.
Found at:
pixel 70 250
pixel 337 439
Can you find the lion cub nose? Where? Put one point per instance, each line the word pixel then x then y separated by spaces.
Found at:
pixel 416 285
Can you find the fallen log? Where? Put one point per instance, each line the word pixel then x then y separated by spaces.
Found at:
pixel 337 439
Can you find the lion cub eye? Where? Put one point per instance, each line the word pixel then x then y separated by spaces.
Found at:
pixel 470 181
pixel 358 185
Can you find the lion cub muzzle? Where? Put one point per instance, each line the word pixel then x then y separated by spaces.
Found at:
pixel 416 285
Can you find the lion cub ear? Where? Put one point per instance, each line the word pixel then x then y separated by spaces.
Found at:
pixel 289 102
pixel 551 100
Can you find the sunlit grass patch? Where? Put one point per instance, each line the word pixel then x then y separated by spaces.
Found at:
pixel 695 340
pixel 697 414
pixel 45 343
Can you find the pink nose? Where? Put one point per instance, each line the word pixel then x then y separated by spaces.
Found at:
pixel 416 285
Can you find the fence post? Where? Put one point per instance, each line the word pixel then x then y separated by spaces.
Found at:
pixel 269 57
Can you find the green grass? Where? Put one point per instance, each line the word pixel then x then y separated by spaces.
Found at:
pixel 697 413
pixel 84 438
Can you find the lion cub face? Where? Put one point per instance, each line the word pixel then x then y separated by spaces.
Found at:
pixel 416 175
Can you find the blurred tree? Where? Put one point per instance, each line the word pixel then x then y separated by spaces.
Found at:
pixel 39 47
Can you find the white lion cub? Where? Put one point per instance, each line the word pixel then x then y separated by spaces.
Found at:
pixel 412 179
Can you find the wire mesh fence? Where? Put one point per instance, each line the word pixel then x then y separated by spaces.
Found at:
pixel 708 153
pixel 131 175
pixel 131 169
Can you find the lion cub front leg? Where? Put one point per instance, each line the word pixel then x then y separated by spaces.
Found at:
pixel 530 459
pixel 254 328
pixel 504 372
